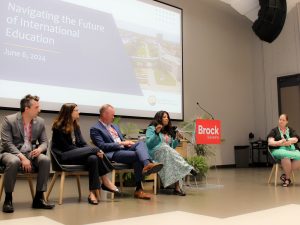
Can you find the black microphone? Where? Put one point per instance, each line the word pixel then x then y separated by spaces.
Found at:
pixel 205 111
pixel 285 137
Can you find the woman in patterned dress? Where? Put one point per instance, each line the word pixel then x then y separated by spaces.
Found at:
pixel 161 140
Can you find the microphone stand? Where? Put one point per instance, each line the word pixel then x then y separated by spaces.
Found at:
pixel 212 117
pixel 193 142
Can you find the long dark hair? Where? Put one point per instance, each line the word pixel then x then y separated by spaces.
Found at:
pixel 64 119
pixel 168 129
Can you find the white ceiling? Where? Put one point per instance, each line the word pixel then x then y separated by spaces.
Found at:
pixel 249 8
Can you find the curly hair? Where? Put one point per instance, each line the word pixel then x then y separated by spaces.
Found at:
pixel 168 129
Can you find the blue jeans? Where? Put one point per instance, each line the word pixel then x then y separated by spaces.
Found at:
pixel 136 155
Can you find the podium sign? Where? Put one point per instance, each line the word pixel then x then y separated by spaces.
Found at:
pixel 208 131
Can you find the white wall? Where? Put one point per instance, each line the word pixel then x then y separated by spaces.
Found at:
pixel 280 58
pixel 218 55
pixel 218 69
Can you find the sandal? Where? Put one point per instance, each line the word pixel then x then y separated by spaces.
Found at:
pixel 283 177
pixel 179 192
pixel 286 183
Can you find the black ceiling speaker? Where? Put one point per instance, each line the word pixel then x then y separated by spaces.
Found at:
pixel 271 18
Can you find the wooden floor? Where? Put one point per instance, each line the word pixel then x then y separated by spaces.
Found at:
pixel 229 193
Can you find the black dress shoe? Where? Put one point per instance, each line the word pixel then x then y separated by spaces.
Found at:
pixel 8 207
pixel 179 192
pixel 41 204
pixel 194 172
pixel 116 191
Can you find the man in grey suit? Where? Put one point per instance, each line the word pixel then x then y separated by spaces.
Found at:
pixel 24 141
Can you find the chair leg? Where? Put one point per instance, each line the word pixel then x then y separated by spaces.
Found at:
pixel 55 175
pixel 142 185
pixel 276 174
pixel 271 174
pixel 121 180
pixel 113 180
pixel 188 180
pixel 1 184
pixel 155 183
pixel 293 177
pixel 31 186
pixel 78 186
pixel 98 195
pixel 61 189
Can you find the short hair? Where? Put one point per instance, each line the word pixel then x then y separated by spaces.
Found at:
pixel 286 116
pixel 103 108
pixel 27 101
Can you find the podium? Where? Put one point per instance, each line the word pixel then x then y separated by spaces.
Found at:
pixel 182 148
pixel 203 133
pixel 208 131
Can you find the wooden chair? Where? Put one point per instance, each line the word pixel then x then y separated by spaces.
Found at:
pixel 121 168
pixel 21 174
pixel 156 182
pixel 63 171
pixel 274 171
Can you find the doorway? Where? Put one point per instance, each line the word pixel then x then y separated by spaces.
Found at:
pixel 289 99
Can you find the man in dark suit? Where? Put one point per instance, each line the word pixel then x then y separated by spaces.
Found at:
pixel 108 138
pixel 24 141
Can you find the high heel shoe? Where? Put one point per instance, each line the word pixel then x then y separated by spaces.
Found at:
pixel 194 172
pixel 92 202
pixel 116 191
pixel 179 192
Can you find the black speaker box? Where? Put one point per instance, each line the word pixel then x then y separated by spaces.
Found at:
pixel 271 18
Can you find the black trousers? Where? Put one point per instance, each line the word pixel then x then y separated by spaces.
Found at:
pixel 87 156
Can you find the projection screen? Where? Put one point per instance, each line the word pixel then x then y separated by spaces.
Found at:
pixel 127 53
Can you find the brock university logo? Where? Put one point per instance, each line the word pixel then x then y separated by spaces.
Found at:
pixel 208 131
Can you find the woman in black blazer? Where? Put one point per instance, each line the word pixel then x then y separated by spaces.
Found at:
pixel 71 148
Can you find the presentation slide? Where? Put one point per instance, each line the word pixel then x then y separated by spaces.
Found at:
pixel 127 53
